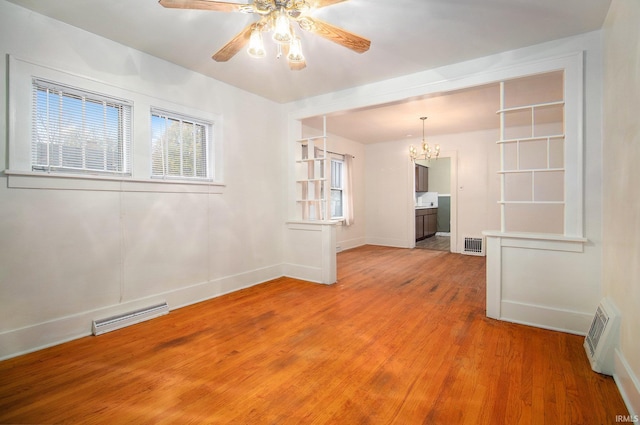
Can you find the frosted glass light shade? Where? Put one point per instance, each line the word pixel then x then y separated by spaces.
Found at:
pixel 256 45
pixel 282 31
pixel 295 51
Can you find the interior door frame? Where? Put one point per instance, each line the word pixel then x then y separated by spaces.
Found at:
pixel 411 218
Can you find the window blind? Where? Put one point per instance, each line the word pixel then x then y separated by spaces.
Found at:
pixel 179 146
pixel 78 131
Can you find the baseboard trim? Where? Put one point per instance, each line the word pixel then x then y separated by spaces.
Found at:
pixel 545 317
pixel 296 271
pixel 36 337
pixel 393 243
pixel 628 384
pixel 350 243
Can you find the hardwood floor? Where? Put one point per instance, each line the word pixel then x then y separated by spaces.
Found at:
pixel 402 338
pixel 436 242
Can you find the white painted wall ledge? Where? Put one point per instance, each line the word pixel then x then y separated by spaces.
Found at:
pixel 538 240
pixel 293 223
pixel 89 182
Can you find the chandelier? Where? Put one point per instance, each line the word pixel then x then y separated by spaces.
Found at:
pixel 427 152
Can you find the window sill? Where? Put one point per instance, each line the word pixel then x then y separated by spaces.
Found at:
pixel 309 224
pixel 61 181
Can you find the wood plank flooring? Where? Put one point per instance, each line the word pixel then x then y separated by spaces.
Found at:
pixel 402 338
pixel 436 242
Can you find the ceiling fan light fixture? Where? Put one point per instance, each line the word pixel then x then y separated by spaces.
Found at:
pixel 276 17
pixel 295 51
pixel 256 45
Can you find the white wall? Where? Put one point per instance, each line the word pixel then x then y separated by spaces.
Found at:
pixel 621 201
pixel 390 176
pixel 70 256
pixel 353 235
pixel 389 194
pixel 439 175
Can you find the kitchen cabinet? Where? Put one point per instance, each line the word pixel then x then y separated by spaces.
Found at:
pixel 426 222
pixel 422 178
pixel 419 226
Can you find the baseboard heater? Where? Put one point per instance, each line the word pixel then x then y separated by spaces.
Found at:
pixel 126 319
pixel 602 338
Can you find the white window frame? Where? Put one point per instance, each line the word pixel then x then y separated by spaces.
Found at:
pixel 19 171
pixel 46 130
pixel 333 187
pixel 207 127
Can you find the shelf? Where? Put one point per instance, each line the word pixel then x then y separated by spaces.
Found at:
pixel 312 176
pixel 533 106
pixel 308 139
pixel 311 180
pixel 531 170
pixel 530 139
pixel 530 202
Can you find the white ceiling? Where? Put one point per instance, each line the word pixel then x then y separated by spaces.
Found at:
pixel 407 36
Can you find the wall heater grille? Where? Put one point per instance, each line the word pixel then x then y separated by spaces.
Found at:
pixel 602 338
pixel 120 321
pixel 473 246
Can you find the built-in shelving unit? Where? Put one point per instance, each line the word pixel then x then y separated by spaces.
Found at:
pixel 311 181
pixel 532 170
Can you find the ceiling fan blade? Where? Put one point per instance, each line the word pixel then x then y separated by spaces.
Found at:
pixel 234 45
pixel 217 6
pixel 335 34
pixel 317 4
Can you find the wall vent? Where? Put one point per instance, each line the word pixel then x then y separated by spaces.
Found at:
pixel 120 321
pixel 602 338
pixel 473 246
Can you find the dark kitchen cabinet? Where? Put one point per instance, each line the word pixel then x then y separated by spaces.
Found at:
pixel 419 226
pixel 422 178
pixel 426 222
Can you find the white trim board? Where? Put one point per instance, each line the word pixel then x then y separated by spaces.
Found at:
pixel 628 384
pixel 556 319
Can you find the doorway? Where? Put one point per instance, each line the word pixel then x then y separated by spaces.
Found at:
pixel 442 172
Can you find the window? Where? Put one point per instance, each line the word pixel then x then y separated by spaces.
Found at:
pixel 179 146
pixel 78 131
pixel 337 188
pixel 72 132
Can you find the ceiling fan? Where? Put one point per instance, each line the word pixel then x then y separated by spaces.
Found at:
pixel 277 16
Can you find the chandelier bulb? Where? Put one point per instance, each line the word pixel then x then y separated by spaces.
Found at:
pixel 256 45
pixel 282 29
pixel 295 51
